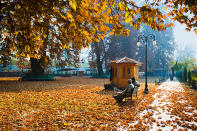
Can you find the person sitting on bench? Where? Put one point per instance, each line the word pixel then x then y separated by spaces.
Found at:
pixel 135 83
pixel 127 92
pixel 136 87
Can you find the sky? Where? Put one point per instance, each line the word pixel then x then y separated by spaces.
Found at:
pixel 185 39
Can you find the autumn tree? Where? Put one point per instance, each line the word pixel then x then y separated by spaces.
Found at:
pixel 183 11
pixel 42 30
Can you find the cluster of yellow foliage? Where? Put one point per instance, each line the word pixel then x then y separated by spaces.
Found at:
pixel 183 11
pixel 32 28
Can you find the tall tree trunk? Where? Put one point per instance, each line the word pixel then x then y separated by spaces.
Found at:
pixel 132 44
pixel 37 67
pixel 99 67
pixel 99 63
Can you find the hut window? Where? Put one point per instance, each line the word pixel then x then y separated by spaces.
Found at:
pixel 123 72
pixel 128 72
pixel 115 72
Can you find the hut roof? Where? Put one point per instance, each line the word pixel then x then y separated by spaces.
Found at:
pixel 126 60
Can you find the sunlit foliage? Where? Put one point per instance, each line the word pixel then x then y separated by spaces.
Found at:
pixel 32 28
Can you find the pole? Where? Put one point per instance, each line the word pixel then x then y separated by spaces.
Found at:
pixel 146 62
pixel 144 38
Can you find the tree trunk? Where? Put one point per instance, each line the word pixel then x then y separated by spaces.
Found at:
pixel 99 67
pixel 37 67
pixel 99 63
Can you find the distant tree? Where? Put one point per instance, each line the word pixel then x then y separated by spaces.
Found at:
pixel 189 76
pixel 96 56
pixel 185 54
pixel 111 48
pixel 128 45
pixel 5 54
pixel 23 63
pixel 185 74
pixel 161 54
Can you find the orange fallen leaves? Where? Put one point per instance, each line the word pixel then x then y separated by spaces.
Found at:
pixel 78 103
pixel 71 103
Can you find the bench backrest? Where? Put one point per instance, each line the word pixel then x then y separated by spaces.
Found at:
pixel 135 89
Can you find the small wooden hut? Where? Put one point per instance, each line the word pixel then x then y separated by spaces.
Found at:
pixel 122 70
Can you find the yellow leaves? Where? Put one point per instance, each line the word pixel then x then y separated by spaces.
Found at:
pixel 103 6
pixel 171 24
pixel 167 26
pixel 5 53
pixel 128 17
pixel 109 10
pixel 66 124
pixel 64 46
pixel 16 33
pixel 103 28
pixel 46 60
pixel 165 8
pixel 55 9
pixel 79 18
pixel 84 3
pixel 44 35
pixel 69 15
pixel 137 11
pixel 164 17
pixel 18 6
pixel 73 4
pixel 126 33
pixel 99 36
pixel 169 14
pixel 195 31
pixel 121 6
pixel 111 33
pixel 27 48
pixel 97 40
pixel 85 15
pixel 86 34
pixel 170 2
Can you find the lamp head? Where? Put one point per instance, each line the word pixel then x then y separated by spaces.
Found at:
pixel 154 42
pixel 138 43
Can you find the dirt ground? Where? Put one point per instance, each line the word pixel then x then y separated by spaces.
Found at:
pixel 11 84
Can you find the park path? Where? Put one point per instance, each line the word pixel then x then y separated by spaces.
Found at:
pixel 171 109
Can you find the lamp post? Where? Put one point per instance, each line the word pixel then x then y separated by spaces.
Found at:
pixel 145 39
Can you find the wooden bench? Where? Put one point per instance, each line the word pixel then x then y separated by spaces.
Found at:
pixel 134 93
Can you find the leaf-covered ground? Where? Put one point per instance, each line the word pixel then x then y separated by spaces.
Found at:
pixel 82 104
pixel 174 107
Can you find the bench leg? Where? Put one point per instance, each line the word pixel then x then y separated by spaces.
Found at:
pixel 136 95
